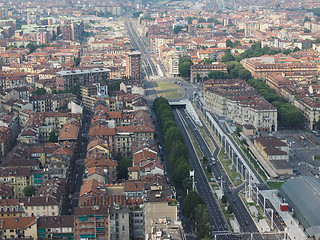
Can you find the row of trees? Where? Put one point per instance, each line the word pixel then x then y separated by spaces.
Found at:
pixel 174 143
pixel 202 20
pixel 255 51
pixel 195 209
pixel 193 205
pixel 288 115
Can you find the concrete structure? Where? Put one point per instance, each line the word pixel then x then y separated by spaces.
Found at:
pixel 133 65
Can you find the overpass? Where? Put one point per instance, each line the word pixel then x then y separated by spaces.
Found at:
pixel 178 104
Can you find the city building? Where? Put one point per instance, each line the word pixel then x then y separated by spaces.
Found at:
pixel 67 79
pixel 18 227
pixel 55 227
pixel 101 222
pixel 240 102
pixel 133 65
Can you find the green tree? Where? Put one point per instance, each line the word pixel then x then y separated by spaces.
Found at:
pixel 172 134
pixel 227 57
pixel 244 74
pixel 158 101
pixel 287 51
pixel 32 47
pixel 217 75
pixel 29 191
pixel 123 164
pixel 229 43
pixel 317 125
pixel 76 90
pixel 178 150
pixel 306 30
pixel 306 19
pixel 229 209
pixel 136 14
pixel 77 61
pixel 296 49
pixel 184 67
pixel 207 61
pixel 177 29
pixel 53 138
pixel 236 43
pixel 238 130
pixel 202 221
pixel 190 203
pixel 224 199
pixel 39 91
pixel 180 172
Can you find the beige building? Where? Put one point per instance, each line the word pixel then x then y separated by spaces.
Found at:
pixel 240 102
pixel 17 179
pixel 18 227
pixel 310 109
pixel 40 206
pixel 157 205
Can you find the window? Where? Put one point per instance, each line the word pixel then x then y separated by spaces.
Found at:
pixel 122 228
pixel 52 207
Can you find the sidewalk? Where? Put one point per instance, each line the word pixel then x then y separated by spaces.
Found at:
pixel 293 229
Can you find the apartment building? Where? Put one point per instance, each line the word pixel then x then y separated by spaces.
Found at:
pixel 10 208
pixel 310 109
pixel 17 179
pixel 67 79
pixel 91 94
pixel 261 67
pixel 242 103
pixel 18 93
pixel 12 79
pixel 55 227
pixel 71 28
pixel 51 102
pixel 101 222
pixel 40 206
pixel 133 65
pixel 18 227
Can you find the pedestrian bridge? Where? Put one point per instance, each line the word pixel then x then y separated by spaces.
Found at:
pixel 178 104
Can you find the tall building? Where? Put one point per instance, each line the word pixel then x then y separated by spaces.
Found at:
pixel 72 29
pixel 133 65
